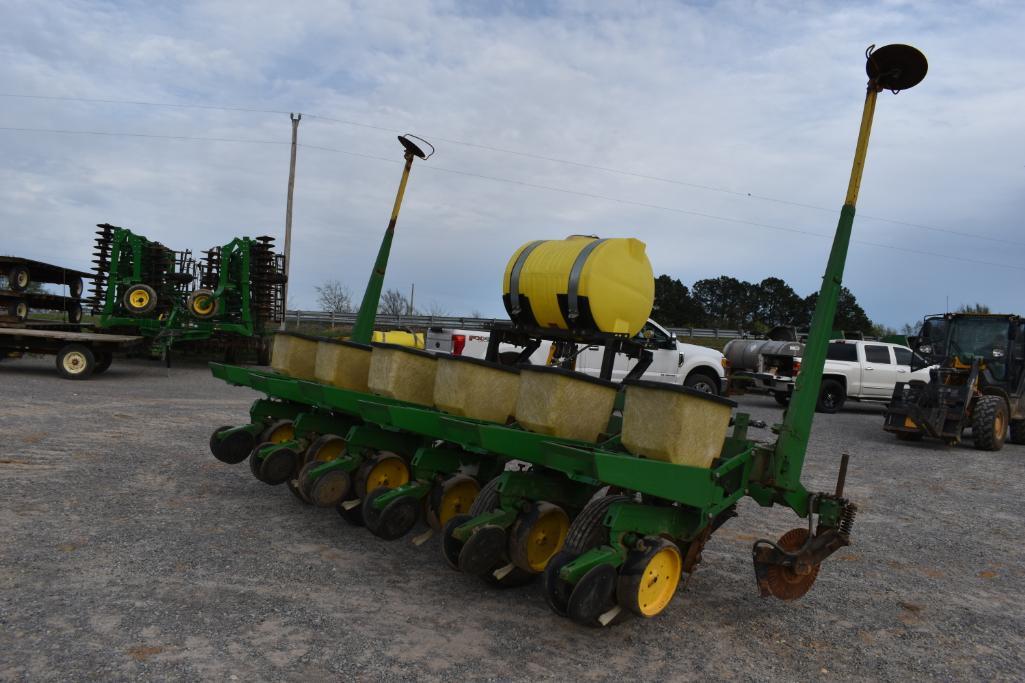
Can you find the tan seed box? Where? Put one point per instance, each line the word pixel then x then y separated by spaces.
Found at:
pixel 564 403
pixel 474 388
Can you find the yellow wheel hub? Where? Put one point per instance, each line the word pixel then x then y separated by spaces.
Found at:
pixel 659 581
pixel 202 305
pixel 139 298
pixel 456 499
pixel 545 537
pixel 330 451
pixel 282 433
pixel 389 472
pixel 74 362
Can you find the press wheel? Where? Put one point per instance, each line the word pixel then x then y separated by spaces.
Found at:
pixel 279 466
pixel 231 449
pixel 486 501
pixel 329 489
pixel 450 546
pixel 255 463
pixel 783 582
pixel 452 497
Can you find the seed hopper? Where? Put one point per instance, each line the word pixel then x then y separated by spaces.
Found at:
pixel 606 492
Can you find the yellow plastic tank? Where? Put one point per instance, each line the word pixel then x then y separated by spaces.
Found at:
pixel 294 355
pixel 402 338
pixel 474 388
pixel 674 424
pixel 564 403
pixel 580 283
pixel 403 373
pixel 343 364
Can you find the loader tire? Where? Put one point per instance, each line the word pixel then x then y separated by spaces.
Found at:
pixel 1017 432
pixel 989 423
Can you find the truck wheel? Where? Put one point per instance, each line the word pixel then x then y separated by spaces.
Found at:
pixel 831 396
pixel 75 361
pixel 140 299
pixel 989 423
pixel 782 398
pixel 1017 431
pixel 18 278
pixel 700 381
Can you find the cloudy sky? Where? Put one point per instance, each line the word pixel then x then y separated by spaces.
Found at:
pixel 721 134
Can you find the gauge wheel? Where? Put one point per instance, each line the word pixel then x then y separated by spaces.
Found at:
pixel 450 546
pixel 140 299
pixel 233 448
pixel 452 497
pixel 395 520
pixel 18 278
pixel 649 578
pixel 385 469
pixel 76 361
pixel 278 431
pixel 537 535
pixel 203 304
pixel 279 466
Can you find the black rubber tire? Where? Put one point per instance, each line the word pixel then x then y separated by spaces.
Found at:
pixel 254 462
pixel 782 398
pixel 1017 432
pixel 76 287
pixel 18 278
pixel 396 519
pixel 450 547
pixel 74 312
pixel 909 436
pixel 988 413
pixel 103 361
pixel 831 396
pixel 205 296
pixel 279 466
pixel 18 310
pixel 353 516
pixel 586 532
pixel 232 449
pixel 486 501
pixel 126 300
pixel 76 361
pixel 334 483
pixel 702 381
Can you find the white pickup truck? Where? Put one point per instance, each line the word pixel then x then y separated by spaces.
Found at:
pixel 673 361
pixel 856 370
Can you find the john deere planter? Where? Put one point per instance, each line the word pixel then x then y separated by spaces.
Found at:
pixel 606 491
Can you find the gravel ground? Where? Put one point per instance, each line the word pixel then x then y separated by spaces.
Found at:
pixel 128 552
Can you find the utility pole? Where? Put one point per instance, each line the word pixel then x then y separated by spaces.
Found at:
pixel 288 210
pixel 412 291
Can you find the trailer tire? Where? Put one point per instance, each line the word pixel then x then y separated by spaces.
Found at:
pixel 18 278
pixel 103 361
pixel 140 299
pixel 831 396
pixel 76 287
pixel 989 423
pixel 19 310
pixel 76 361
pixel 203 304
pixel 74 313
pixel 1017 432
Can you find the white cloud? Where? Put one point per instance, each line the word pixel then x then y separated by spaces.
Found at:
pixel 753 97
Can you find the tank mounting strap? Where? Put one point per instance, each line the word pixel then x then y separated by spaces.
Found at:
pixel 572 289
pixel 514 276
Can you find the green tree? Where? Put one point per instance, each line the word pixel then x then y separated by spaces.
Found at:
pixel 850 316
pixel 972 308
pixel 776 303
pixel 674 304
pixel 726 301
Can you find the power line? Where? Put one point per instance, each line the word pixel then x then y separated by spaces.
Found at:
pixel 528 155
pixel 523 183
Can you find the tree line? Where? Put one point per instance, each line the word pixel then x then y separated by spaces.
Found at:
pixel 728 303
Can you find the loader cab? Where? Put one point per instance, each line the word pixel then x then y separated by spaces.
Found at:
pixel 957 340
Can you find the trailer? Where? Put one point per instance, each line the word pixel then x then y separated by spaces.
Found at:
pixel 21 272
pixel 80 353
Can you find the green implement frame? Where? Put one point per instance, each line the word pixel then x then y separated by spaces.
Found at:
pixel 610 531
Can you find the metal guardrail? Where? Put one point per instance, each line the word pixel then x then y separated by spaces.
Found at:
pixel 469 323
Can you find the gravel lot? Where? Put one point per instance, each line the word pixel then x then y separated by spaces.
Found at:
pixel 128 552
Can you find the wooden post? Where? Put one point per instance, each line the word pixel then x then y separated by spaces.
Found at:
pixel 288 208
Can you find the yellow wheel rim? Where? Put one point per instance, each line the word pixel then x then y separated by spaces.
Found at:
pixel 659 581
pixel 202 305
pixel 139 298
pixel 456 499
pixel 22 279
pixel 389 473
pixel 74 362
pixel 330 451
pixel 282 433
pixel 546 537
pixel 998 425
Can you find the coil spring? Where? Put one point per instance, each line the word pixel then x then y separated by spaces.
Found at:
pixel 846 523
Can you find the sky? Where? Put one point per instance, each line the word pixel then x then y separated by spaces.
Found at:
pixel 719 133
